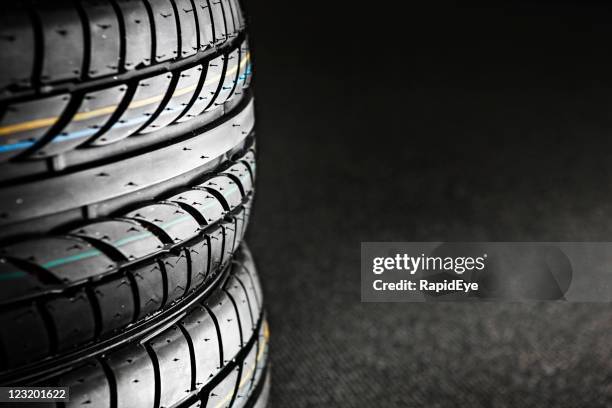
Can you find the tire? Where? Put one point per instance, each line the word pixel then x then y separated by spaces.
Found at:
pixel 100 72
pixel 127 172
pixel 211 352
pixel 64 290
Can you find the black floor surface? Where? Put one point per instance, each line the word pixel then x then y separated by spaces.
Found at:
pixel 447 122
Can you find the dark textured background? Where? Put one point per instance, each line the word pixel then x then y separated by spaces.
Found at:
pixel 444 121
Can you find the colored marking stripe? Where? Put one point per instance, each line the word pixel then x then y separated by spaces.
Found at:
pixel 24 126
pixel 94 113
pixel 12 275
pixel 73 258
pixel 46 122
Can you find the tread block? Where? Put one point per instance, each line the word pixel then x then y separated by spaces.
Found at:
pixel 242 276
pixel 128 237
pixel 134 376
pixel 177 223
pixel 63 42
pixel 177 275
pixel 245 387
pixel 149 95
pixel 181 99
pixel 88 386
pixel 237 293
pixel 249 160
pixel 69 259
pixel 247 215
pixel 228 16
pixel 247 264
pixel 73 319
pixel 174 365
pixel 116 302
pixel 27 340
pixel 201 329
pixel 225 188
pixel 138 36
pixel 206 96
pixel 219 28
pixel 262 352
pixel 204 24
pixel 230 244
pixel 217 239
pixel 16 35
pixel 222 307
pixel 25 123
pixel 230 77
pixel 104 38
pixel 189 30
pixel 222 395
pixel 16 282
pixel 241 173
pixel 199 254
pixel 94 112
pixel 238 15
pixel 150 283
pixel 240 227
pixel 202 201
pixel 166 31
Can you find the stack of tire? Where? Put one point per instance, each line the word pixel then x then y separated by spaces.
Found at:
pixel 127 169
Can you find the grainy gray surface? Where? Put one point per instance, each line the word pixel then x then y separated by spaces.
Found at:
pixel 477 124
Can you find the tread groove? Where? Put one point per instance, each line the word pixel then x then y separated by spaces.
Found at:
pixel 164 275
pixel 212 21
pixel 247 297
pixel 69 111
pixel 231 298
pixel 177 22
pixel 218 329
pixel 153 32
pixel 162 104
pixel 197 24
pixel 135 295
pixel 112 381
pixel 192 357
pixel 103 247
pixel 196 92
pixel 96 309
pixel 122 35
pixel 189 269
pixel 114 118
pixel 157 374
pixel 86 40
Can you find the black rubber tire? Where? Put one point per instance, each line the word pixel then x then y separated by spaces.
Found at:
pixel 61 291
pixel 127 171
pixel 97 72
pixel 213 354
